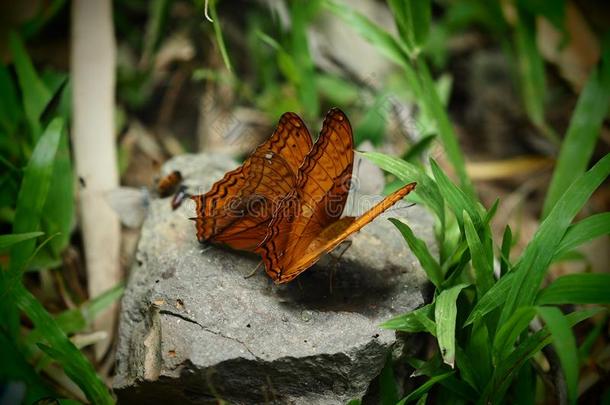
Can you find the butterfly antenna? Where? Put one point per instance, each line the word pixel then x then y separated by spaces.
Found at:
pixel 394 209
pixel 335 265
pixel 255 270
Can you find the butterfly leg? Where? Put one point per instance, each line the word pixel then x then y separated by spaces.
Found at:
pixel 255 270
pixel 346 244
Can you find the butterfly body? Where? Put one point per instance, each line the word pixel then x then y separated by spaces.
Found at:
pixel 304 189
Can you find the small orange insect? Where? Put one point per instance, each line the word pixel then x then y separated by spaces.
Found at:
pixel 168 184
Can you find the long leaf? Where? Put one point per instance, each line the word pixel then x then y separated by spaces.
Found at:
pixel 300 52
pixel 59 206
pixel 478 353
pixel 420 250
pixel 445 313
pixel 530 67
pixel 14 367
pixel 507 240
pixel 458 201
pixel 383 41
pixel 583 231
pixel 413 20
pixel 581 137
pixel 435 367
pixel 35 95
pixel 425 387
pixel 10 110
pixel 219 38
pixel 506 371
pixel 436 110
pixel 492 299
pixel 565 346
pixel 482 260
pixel 509 331
pixel 541 250
pixel 582 288
pixel 407 172
pixel 414 321
pixel 387 384
pixel 74 363
pixel 10 239
pixel 33 193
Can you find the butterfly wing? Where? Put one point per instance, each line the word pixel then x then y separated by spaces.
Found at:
pixel 318 200
pixel 224 212
pixel 336 233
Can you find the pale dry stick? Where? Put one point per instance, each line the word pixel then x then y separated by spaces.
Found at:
pixel 93 78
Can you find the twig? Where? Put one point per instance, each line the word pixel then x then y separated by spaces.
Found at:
pixel 93 73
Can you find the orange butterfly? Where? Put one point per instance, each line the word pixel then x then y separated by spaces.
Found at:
pixel 306 204
pixel 237 209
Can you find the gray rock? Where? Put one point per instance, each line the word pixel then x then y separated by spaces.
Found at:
pixel 193 329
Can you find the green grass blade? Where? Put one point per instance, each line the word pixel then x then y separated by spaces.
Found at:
pixel 424 388
pixel 72 321
pixel 414 321
pixel 469 372
pixel 507 242
pixel 92 308
pixel 445 313
pixel 59 206
pixel 482 260
pixel 584 231
pixel 541 250
pixel 581 137
pixel 407 172
pixel 337 90
pixel 285 62
pixel 414 153
pixel 372 125
pixel 581 288
pixel 422 84
pixel 300 52
pixel 10 110
pixel 492 299
pixel 554 11
pixel 584 350
pixel 565 347
pixel 14 367
pixel 33 193
pixel 436 110
pixel 413 20
pixel 35 95
pixel 74 363
pixel 420 250
pixel 458 201
pixel 435 367
pixel 10 239
pixel 157 14
pixel 219 38
pixel 523 390
pixel 388 391
pixel 509 332
pixel 382 41
pixel 506 371
pixel 478 352
pixel 530 67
